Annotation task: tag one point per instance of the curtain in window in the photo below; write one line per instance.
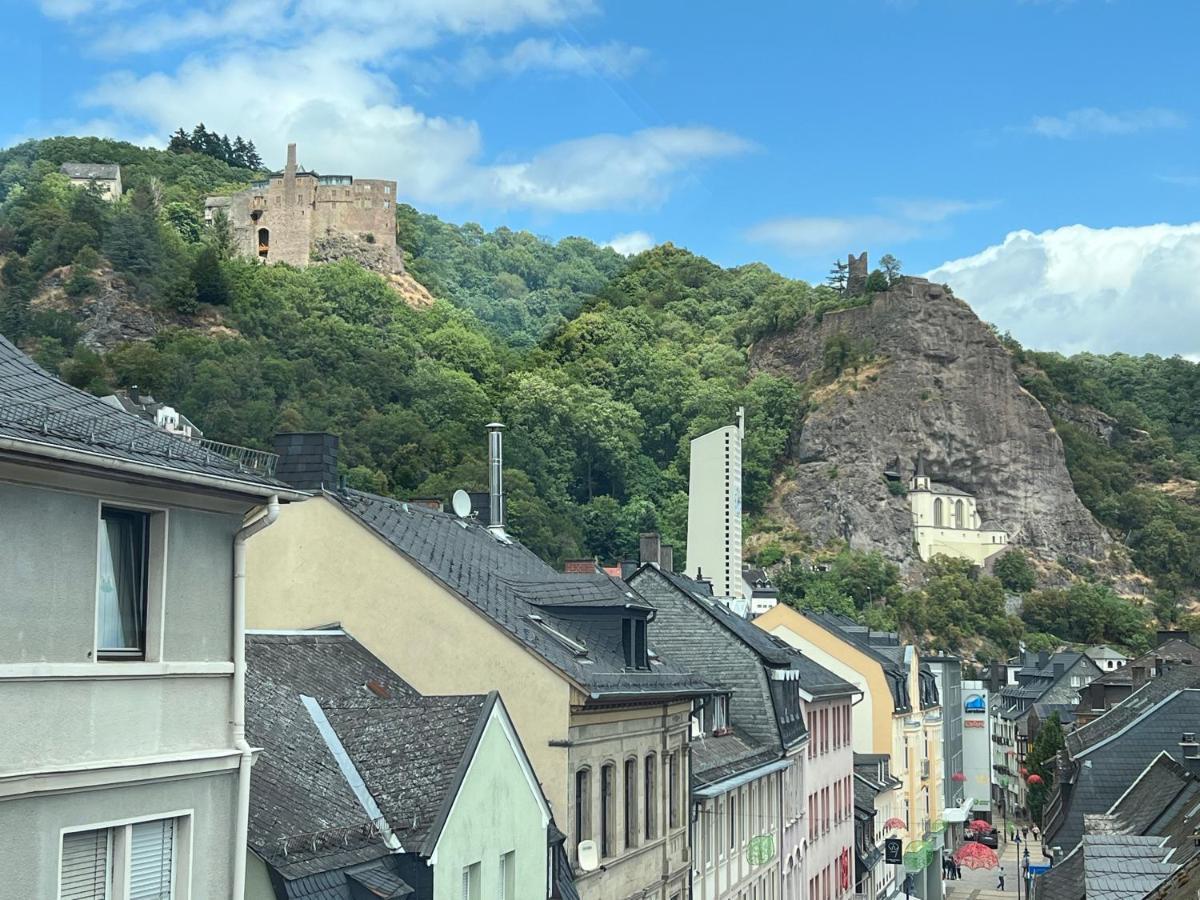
(122, 593)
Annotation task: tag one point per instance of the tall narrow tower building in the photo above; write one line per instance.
(714, 539)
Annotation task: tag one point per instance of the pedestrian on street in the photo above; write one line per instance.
(957, 869)
(1025, 832)
(1000, 882)
(1036, 833)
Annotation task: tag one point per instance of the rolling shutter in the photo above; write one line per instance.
(84, 865)
(151, 849)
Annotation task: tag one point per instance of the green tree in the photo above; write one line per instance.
(1015, 571)
(212, 284)
(1040, 761)
(890, 266)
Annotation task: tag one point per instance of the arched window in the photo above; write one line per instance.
(937, 513)
(583, 805)
(958, 514)
(650, 797)
(631, 803)
(608, 798)
(264, 242)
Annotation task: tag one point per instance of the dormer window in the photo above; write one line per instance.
(633, 642)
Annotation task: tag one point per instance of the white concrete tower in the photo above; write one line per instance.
(714, 540)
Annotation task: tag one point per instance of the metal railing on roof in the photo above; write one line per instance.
(120, 430)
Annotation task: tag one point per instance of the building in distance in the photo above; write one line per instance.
(105, 176)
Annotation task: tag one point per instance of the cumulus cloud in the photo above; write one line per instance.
(613, 59)
(344, 116)
(632, 242)
(1131, 289)
(1093, 121)
(901, 220)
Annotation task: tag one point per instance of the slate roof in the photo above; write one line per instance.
(1175, 650)
(508, 583)
(1133, 707)
(99, 171)
(715, 759)
(409, 749)
(1035, 680)
(38, 409)
(1123, 867)
(1063, 881)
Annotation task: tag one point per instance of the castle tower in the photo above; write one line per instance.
(856, 275)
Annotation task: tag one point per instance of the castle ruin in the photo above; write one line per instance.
(856, 275)
(294, 212)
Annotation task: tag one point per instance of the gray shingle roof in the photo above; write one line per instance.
(408, 748)
(509, 584)
(884, 647)
(1175, 650)
(38, 409)
(100, 171)
(1123, 867)
(1133, 707)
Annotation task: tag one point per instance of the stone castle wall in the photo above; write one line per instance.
(283, 220)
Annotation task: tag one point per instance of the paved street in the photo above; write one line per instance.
(980, 884)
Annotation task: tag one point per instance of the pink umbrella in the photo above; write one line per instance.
(959, 777)
(1035, 778)
(980, 825)
(975, 855)
(894, 822)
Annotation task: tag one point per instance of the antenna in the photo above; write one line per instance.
(461, 504)
(589, 859)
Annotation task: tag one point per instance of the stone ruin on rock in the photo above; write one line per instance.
(292, 213)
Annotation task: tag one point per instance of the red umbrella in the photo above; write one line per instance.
(959, 777)
(980, 825)
(1024, 771)
(1035, 778)
(975, 855)
(894, 822)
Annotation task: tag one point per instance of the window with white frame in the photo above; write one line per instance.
(137, 861)
(471, 888)
(508, 875)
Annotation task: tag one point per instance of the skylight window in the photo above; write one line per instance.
(576, 647)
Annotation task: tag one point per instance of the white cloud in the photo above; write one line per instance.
(901, 220)
(1131, 289)
(613, 59)
(346, 117)
(1094, 121)
(632, 242)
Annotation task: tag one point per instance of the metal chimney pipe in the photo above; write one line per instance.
(496, 475)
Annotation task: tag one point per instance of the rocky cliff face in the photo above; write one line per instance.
(938, 383)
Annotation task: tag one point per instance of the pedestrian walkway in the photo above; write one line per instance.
(981, 884)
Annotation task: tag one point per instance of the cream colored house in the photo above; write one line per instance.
(456, 607)
(105, 177)
(946, 521)
(900, 713)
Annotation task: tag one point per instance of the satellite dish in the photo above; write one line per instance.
(461, 503)
(589, 859)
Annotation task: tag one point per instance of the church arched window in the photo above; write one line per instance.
(958, 514)
(937, 513)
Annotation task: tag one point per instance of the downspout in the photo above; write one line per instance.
(238, 701)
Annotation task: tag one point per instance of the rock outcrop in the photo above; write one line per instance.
(938, 383)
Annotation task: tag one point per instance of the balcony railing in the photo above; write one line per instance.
(259, 462)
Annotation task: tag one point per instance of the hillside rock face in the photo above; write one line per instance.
(940, 385)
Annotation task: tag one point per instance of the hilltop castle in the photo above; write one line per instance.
(294, 212)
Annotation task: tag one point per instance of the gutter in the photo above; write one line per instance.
(238, 700)
(148, 470)
(720, 787)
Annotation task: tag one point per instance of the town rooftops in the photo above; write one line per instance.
(91, 171)
(357, 765)
(574, 622)
(1122, 867)
(1035, 678)
(43, 417)
(1174, 651)
(1124, 714)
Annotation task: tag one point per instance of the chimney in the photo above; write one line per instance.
(1059, 668)
(308, 460)
(1043, 658)
(496, 476)
(291, 160)
(1160, 666)
(580, 567)
(650, 548)
(1138, 675)
(666, 558)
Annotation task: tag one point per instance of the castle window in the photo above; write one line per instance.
(264, 242)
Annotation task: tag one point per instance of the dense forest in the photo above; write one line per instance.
(603, 367)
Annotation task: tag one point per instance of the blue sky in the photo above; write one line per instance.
(1039, 155)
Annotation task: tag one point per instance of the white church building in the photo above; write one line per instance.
(946, 521)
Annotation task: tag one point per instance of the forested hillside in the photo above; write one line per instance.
(602, 367)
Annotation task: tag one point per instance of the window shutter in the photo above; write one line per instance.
(150, 854)
(466, 887)
(84, 866)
